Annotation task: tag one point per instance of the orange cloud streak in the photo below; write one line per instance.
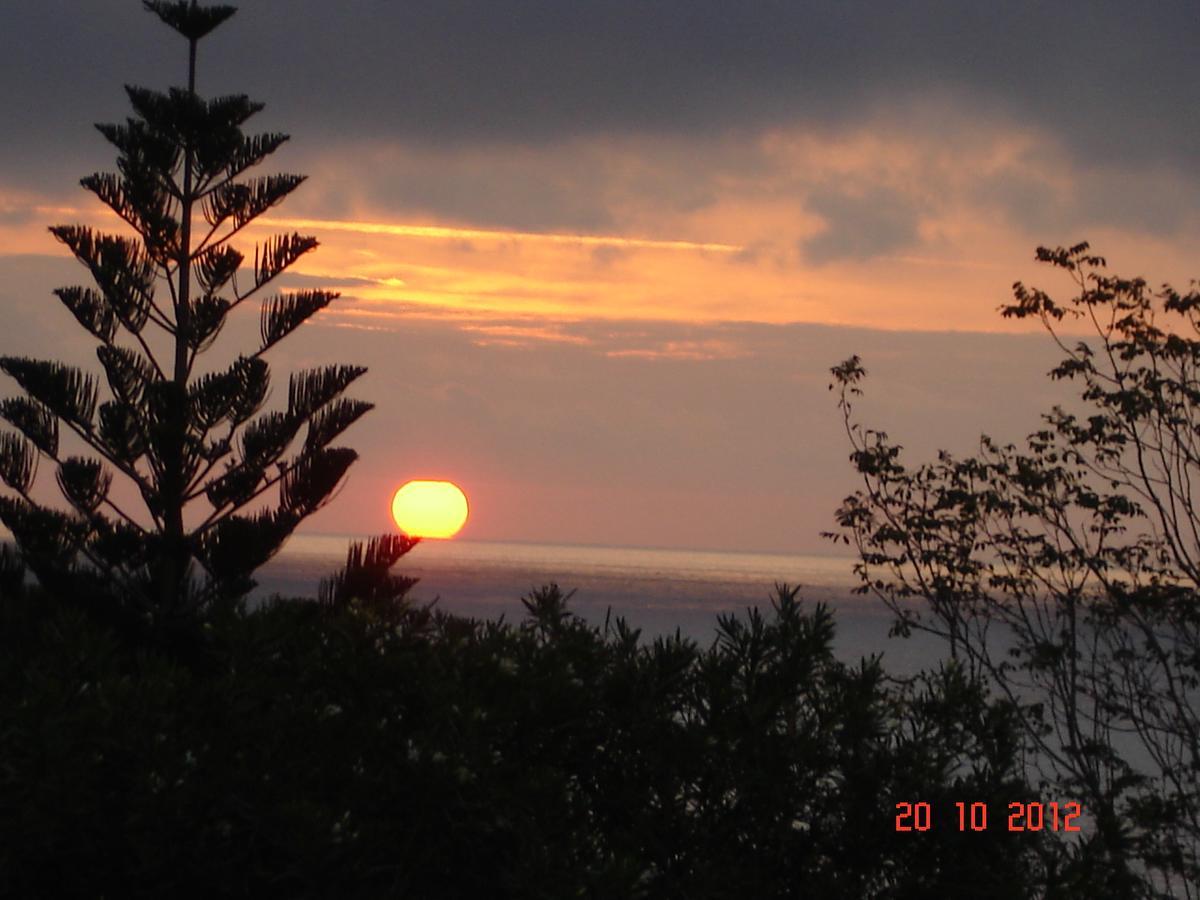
(451, 233)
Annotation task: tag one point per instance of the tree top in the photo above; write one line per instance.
(189, 18)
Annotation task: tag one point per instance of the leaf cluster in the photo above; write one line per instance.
(1065, 570)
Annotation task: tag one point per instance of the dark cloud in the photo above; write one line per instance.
(1148, 201)
(860, 225)
(509, 189)
(606, 255)
(297, 281)
(1112, 79)
(16, 216)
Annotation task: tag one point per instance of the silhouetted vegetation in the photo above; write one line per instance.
(158, 739)
(310, 751)
(197, 447)
(1065, 572)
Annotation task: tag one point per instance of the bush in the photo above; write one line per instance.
(311, 750)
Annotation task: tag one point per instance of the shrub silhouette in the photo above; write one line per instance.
(198, 447)
(318, 752)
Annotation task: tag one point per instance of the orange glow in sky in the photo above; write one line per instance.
(430, 509)
(445, 232)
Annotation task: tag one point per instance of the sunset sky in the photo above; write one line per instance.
(600, 256)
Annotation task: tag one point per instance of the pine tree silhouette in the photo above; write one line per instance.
(199, 448)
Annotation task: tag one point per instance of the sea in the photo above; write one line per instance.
(658, 591)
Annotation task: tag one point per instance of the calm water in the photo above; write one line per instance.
(657, 591)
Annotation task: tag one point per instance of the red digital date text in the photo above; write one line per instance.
(1033, 816)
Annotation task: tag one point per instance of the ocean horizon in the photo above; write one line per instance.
(659, 591)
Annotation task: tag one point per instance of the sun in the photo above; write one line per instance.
(430, 509)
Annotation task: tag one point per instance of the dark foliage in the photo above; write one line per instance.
(1066, 571)
(314, 750)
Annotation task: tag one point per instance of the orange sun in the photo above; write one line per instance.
(430, 509)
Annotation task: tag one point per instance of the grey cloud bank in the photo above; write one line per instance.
(1111, 79)
(506, 112)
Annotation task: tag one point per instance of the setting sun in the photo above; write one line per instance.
(430, 509)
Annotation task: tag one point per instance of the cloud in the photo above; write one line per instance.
(16, 215)
(299, 281)
(520, 335)
(525, 72)
(845, 163)
(441, 232)
(861, 226)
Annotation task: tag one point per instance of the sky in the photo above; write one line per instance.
(600, 256)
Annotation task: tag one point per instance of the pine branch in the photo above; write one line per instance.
(36, 422)
(121, 545)
(161, 409)
(18, 462)
(309, 483)
(380, 553)
(158, 315)
(211, 397)
(62, 392)
(237, 545)
(311, 389)
(122, 432)
(235, 487)
(175, 115)
(284, 313)
(49, 539)
(234, 395)
(129, 373)
(144, 203)
(84, 482)
(285, 470)
(330, 421)
(188, 18)
(226, 114)
(365, 577)
(211, 128)
(211, 453)
(220, 137)
(264, 441)
(152, 155)
(208, 318)
(122, 270)
(249, 153)
(151, 499)
(214, 267)
(90, 310)
(266, 438)
(66, 391)
(127, 519)
(246, 201)
(169, 275)
(275, 255)
(149, 356)
(128, 469)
